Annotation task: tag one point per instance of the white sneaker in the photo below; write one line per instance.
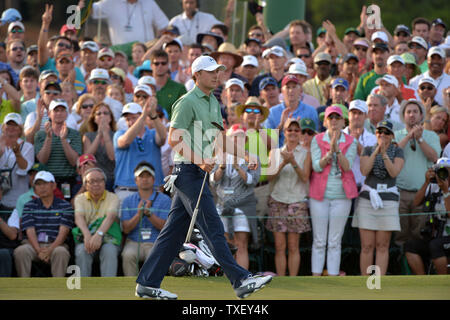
(252, 284)
(154, 293)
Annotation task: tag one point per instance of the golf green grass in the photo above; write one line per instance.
(212, 288)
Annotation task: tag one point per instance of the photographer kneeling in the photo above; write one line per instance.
(435, 243)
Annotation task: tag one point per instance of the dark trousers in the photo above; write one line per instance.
(6, 262)
(172, 236)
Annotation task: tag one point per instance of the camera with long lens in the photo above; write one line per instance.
(441, 169)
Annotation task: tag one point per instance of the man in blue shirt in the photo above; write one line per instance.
(137, 144)
(292, 107)
(143, 216)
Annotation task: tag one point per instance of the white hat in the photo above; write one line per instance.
(389, 79)
(99, 73)
(44, 175)
(234, 82)
(178, 41)
(250, 61)
(91, 45)
(142, 169)
(295, 60)
(395, 58)
(147, 80)
(132, 108)
(298, 68)
(428, 80)
(276, 50)
(360, 105)
(380, 35)
(13, 117)
(420, 41)
(105, 52)
(58, 103)
(143, 87)
(436, 50)
(206, 63)
(16, 24)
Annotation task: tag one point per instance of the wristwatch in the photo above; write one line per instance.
(100, 233)
(420, 140)
(445, 195)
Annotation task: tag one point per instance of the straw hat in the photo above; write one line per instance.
(228, 48)
(252, 102)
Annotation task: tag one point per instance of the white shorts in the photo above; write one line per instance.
(240, 222)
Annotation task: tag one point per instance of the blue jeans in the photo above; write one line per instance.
(172, 236)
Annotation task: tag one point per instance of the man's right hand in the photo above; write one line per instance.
(207, 165)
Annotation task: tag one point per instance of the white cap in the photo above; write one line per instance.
(58, 103)
(428, 80)
(143, 87)
(420, 41)
(360, 105)
(206, 63)
(91, 45)
(17, 118)
(389, 79)
(380, 35)
(298, 68)
(395, 58)
(16, 24)
(250, 61)
(142, 169)
(436, 50)
(276, 50)
(147, 80)
(295, 60)
(178, 41)
(99, 73)
(44, 175)
(234, 82)
(132, 108)
(105, 52)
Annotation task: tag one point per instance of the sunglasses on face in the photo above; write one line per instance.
(358, 48)
(141, 96)
(53, 92)
(334, 116)
(415, 46)
(104, 82)
(85, 106)
(426, 88)
(308, 132)
(105, 59)
(17, 31)
(63, 45)
(385, 132)
(250, 110)
(18, 48)
(105, 113)
(157, 63)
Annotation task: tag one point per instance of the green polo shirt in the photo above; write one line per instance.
(424, 66)
(194, 113)
(168, 94)
(365, 85)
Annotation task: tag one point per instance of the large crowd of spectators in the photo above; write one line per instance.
(344, 128)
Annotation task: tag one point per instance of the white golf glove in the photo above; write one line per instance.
(170, 182)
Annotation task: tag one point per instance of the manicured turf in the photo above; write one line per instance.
(194, 288)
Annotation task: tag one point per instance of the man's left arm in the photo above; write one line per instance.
(430, 146)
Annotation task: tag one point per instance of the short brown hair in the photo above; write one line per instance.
(302, 23)
(29, 72)
(420, 20)
(159, 54)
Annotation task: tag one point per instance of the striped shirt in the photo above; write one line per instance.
(57, 163)
(46, 221)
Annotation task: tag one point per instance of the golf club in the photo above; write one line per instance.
(194, 214)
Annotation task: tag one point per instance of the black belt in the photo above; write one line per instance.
(262, 183)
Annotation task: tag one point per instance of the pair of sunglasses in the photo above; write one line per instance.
(250, 110)
(385, 132)
(85, 106)
(308, 132)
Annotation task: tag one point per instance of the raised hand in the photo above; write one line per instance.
(48, 15)
(64, 131)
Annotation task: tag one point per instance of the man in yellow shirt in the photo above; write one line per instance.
(318, 86)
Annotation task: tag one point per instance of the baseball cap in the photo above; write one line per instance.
(250, 60)
(171, 29)
(132, 108)
(276, 50)
(361, 42)
(379, 35)
(144, 168)
(322, 56)
(64, 54)
(387, 125)
(436, 50)
(340, 82)
(389, 79)
(175, 41)
(32, 48)
(290, 121)
(143, 87)
(352, 29)
(333, 109)
(267, 81)
(358, 104)
(99, 73)
(248, 40)
(44, 175)
(427, 80)
(90, 45)
(58, 103)
(420, 41)
(85, 158)
(15, 117)
(121, 53)
(14, 24)
(349, 56)
(320, 31)
(439, 21)
(105, 52)
(298, 68)
(206, 63)
(295, 60)
(147, 80)
(54, 84)
(380, 45)
(234, 82)
(306, 123)
(289, 78)
(65, 28)
(38, 167)
(47, 73)
(119, 72)
(401, 28)
(395, 58)
(236, 129)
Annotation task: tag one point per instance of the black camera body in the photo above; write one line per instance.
(441, 172)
